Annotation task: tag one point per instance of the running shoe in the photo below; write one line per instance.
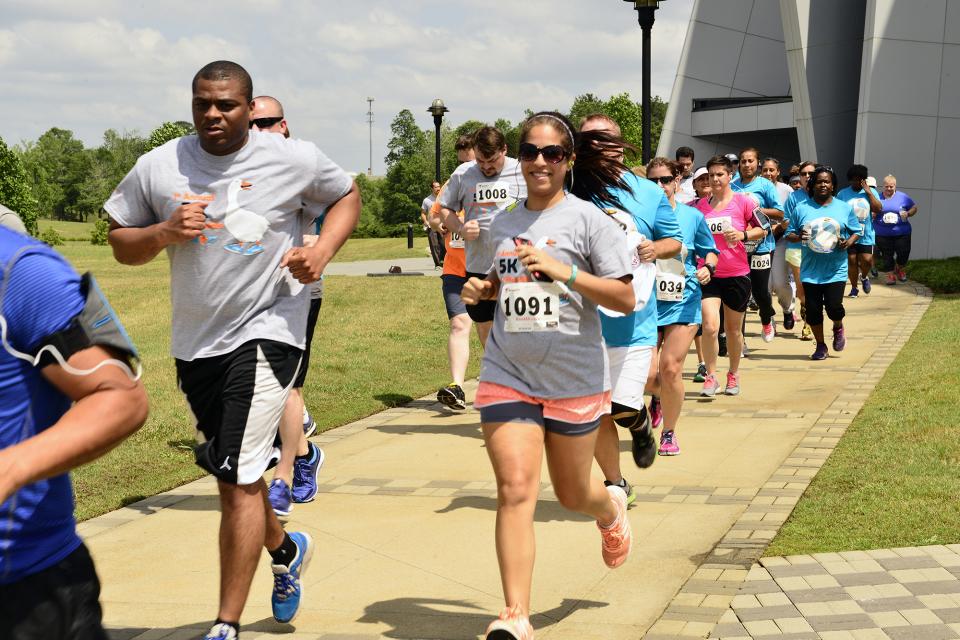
(710, 386)
(873, 272)
(821, 352)
(644, 446)
(287, 586)
(701, 373)
(722, 345)
(624, 486)
(806, 333)
(305, 472)
(733, 384)
(511, 625)
(891, 279)
(789, 320)
(752, 305)
(309, 426)
(866, 285)
(656, 412)
(769, 331)
(280, 497)
(745, 351)
(221, 631)
(901, 275)
(617, 538)
(668, 444)
(854, 292)
(839, 339)
(452, 396)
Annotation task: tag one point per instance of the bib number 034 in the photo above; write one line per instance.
(669, 287)
(530, 306)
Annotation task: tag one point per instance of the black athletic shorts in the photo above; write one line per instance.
(237, 400)
(733, 292)
(485, 309)
(312, 316)
(61, 602)
(860, 248)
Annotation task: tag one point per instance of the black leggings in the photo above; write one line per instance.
(820, 296)
(891, 246)
(760, 284)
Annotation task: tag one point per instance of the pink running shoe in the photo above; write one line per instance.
(710, 386)
(617, 538)
(769, 332)
(656, 412)
(511, 625)
(668, 444)
(733, 384)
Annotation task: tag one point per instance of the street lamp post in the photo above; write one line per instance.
(437, 108)
(645, 16)
(370, 123)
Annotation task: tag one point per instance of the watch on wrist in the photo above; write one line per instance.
(744, 235)
(711, 268)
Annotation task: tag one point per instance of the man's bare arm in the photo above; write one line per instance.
(140, 245)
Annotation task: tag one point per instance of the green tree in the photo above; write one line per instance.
(409, 170)
(15, 191)
(109, 163)
(167, 132)
(56, 165)
(628, 114)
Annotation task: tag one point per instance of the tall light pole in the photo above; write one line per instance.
(645, 10)
(437, 109)
(370, 123)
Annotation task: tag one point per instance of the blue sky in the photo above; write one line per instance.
(89, 65)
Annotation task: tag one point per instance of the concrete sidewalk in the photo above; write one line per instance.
(363, 267)
(404, 521)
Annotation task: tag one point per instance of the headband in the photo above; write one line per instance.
(573, 139)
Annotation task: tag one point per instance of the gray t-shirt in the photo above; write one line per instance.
(227, 287)
(481, 198)
(427, 204)
(567, 358)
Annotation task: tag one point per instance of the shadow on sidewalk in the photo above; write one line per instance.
(429, 618)
(466, 431)
(547, 510)
(198, 629)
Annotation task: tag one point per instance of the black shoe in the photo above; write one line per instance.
(789, 321)
(644, 445)
(722, 343)
(452, 396)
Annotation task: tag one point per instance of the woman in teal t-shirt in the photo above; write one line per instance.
(826, 226)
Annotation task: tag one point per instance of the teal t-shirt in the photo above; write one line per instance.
(794, 200)
(824, 268)
(765, 194)
(698, 243)
(861, 208)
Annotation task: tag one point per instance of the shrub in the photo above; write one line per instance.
(51, 237)
(942, 276)
(98, 235)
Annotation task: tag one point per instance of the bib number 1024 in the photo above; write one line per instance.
(531, 306)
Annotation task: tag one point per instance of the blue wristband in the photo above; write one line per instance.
(573, 275)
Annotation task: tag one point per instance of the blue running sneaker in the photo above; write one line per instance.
(854, 292)
(309, 426)
(287, 586)
(305, 472)
(865, 283)
(280, 497)
(221, 631)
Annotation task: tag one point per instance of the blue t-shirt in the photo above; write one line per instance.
(698, 241)
(794, 200)
(823, 268)
(861, 208)
(894, 204)
(654, 217)
(765, 194)
(37, 529)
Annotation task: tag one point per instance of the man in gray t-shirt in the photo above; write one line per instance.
(230, 206)
(482, 190)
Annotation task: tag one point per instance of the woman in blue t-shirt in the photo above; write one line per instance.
(826, 226)
(892, 226)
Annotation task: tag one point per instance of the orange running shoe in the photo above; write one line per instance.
(511, 625)
(617, 538)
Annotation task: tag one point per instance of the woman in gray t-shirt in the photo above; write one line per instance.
(544, 382)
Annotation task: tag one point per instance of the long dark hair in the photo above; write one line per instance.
(597, 171)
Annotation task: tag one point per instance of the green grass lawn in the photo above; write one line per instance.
(71, 231)
(379, 342)
(894, 478)
(382, 249)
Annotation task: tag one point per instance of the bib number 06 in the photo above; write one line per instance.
(530, 306)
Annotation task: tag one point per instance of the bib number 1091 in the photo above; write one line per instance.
(531, 306)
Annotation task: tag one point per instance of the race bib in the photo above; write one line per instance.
(495, 192)
(760, 261)
(861, 208)
(891, 218)
(456, 241)
(530, 306)
(717, 225)
(670, 287)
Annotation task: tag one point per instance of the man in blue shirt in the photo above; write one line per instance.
(865, 200)
(54, 416)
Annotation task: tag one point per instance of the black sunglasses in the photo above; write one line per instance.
(662, 179)
(265, 123)
(553, 153)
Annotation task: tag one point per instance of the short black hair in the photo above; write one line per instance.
(857, 171)
(225, 70)
(822, 168)
(684, 152)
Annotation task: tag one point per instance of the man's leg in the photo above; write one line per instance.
(243, 532)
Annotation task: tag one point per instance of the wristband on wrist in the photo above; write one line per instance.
(573, 275)
(744, 235)
(711, 268)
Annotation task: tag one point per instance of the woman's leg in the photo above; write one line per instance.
(458, 346)
(676, 344)
(815, 293)
(516, 450)
(710, 308)
(733, 320)
(569, 460)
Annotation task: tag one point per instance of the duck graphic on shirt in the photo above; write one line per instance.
(246, 227)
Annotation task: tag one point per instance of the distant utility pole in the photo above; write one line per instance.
(370, 123)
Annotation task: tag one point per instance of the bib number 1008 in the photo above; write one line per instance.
(491, 194)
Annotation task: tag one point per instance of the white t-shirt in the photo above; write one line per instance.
(686, 194)
(227, 288)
